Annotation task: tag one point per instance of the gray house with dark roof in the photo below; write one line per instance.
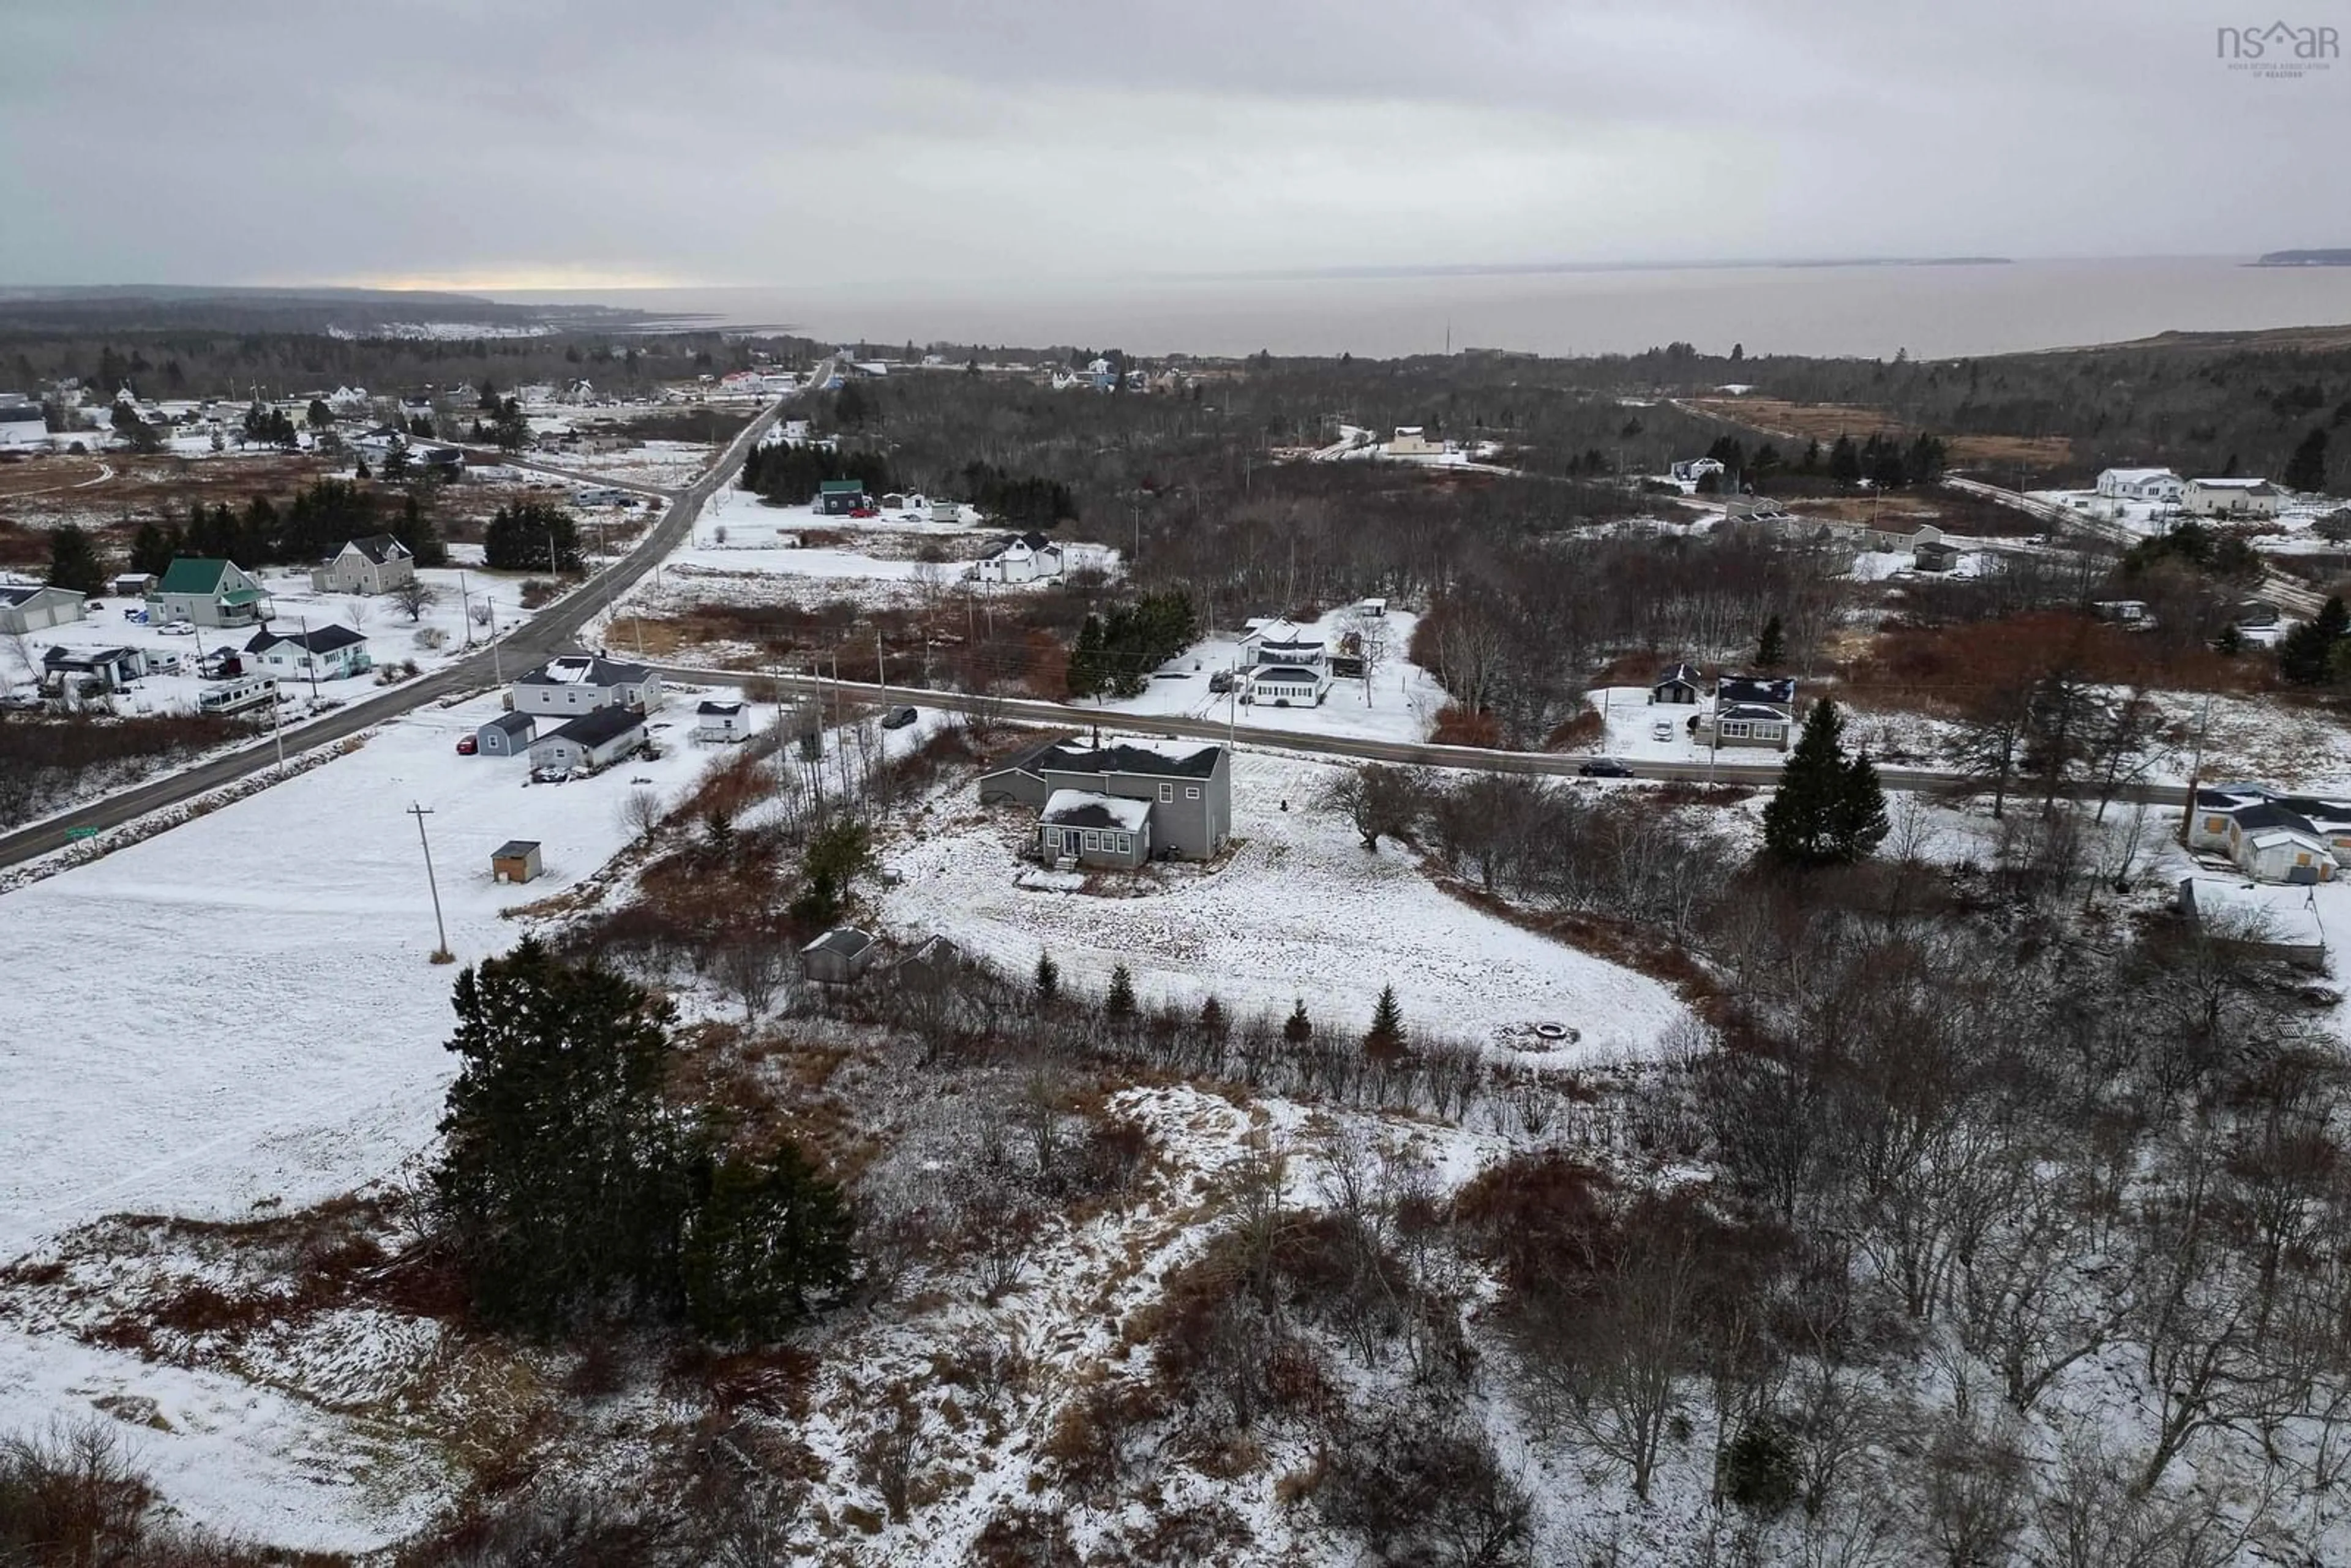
(1186, 785)
(376, 564)
(1750, 710)
(580, 683)
(595, 739)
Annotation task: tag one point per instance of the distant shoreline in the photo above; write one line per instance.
(2334, 257)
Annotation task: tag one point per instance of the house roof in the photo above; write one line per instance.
(586, 670)
(709, 706)
(1685, 673)
(839, 487)
(1780, 690)
(83, 658)
(515, 850)
(846, 940)
(23, 593)
(193, 574)
(512, 722)
(378, 548)
(2263, 815)
(324, 640)
(1280, 672)
(2138, 475)
(1032, 542)
(2250, 487)
(598, 725)
(1758, 712)
(1161, 759)
(1085, 808)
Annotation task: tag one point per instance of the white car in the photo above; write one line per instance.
(178, 628)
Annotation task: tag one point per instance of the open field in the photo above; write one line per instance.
(1824, 422)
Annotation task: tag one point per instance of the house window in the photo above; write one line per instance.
(1093, 840)
(1116, 843)
(2302, 859)
(1052, 838)
(2216, 824)
(1167, 793)
(1734, 729)
(1191, 791)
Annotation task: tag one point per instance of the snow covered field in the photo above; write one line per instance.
(242, 1010)
(1300, 909)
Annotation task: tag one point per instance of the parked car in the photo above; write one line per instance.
(864, 512)
(178, 628)
(551, 776)
(467, 746)
(1604, 768)
(135, 615)
(898, 718)
(1662, 730)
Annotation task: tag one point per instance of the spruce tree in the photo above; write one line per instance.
(764, 1234)
(1120, 1001)
(1387, 1033)
(1771, 648)
(1049, 979)
(151, 549)
(73, 560)
(2307, 469)
(2305, 653)
(1212, 1018)
(1826, 809)
(1299, 1028)
(1086, 660)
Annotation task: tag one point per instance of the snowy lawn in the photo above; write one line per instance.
(1300, 909)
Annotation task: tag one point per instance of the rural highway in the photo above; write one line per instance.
(552, 631)
(1733, 767)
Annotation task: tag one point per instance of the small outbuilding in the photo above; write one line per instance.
(508, 735)
(839, 957)
(839, 497)
(595, 739)
(722, 721)
(1679, 684)
(517, 860)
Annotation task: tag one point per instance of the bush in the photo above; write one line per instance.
(1759, 1469)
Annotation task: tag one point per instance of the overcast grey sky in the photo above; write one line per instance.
(515, 144)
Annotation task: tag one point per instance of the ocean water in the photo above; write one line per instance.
(1874, 311)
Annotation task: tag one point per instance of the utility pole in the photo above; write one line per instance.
(441, 955)
(2195, 772)
(881, 671)
(309, 659)
(465, 608)
(278, 725)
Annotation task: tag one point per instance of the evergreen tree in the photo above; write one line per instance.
(1212, 1018)
(1085, 677)
(2304, 653)
(1844, 461)
(1299, 1029)
(1120, 1001)
(1827, 810)
(319, 416)
(151, 548)
(1771, 648)
(1049, 979)
(422, 537)
(73, 560)
(524, 538)
(1385, 1035)
(560, 1187)
(763, 1235)
(2307, 469)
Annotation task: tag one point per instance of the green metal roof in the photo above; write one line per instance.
(192, 574)
(841, 487)
(242, 596)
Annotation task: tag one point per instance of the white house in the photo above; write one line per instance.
(1283, 643)
(724, 721)
(2273, 836)
(1412, 441)
(23, 427)
(593, 740)
(1689, 471)
(2231, 499)
(1018, 557)
(376, 564)
(2160, 486)
(1287, 685)
(582, 683)
(325, 653)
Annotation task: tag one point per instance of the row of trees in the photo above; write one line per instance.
(532, 536)
(789, 473)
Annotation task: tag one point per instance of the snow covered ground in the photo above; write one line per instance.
(1300, 910)
(1402, 703)
(242, 1010)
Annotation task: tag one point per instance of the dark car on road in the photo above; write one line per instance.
(900, 717)
(1604, 768)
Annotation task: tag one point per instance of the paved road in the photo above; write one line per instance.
(552, 630)
(1732, 767)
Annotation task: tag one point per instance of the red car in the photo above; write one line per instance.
(865, 512)
(467, 746)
